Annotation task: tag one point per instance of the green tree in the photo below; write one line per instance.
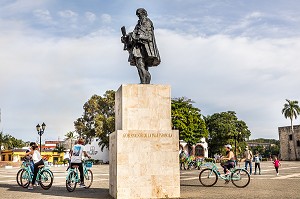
(291, 110)
(225, 128)
(98, 119)
(70, 136)
(188, 120)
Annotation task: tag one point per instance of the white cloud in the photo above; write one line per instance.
(68, 14)
(244, 63)
(91, 17)
(43, 15)
(105, 18)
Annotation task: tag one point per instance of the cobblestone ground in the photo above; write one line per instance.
(267, 185)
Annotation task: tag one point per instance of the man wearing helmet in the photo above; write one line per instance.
(141, 45)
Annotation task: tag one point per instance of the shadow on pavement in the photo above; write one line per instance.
(59, 191)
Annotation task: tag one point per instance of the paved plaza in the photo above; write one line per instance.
(267, 185)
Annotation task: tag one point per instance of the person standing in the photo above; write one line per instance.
(76, 158)
(182, 158)
(257, 159)
(248, 158)
(276, 165)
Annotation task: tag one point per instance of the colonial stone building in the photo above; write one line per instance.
(198, 150)
(289, 143)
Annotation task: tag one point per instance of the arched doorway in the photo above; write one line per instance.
(199, 151)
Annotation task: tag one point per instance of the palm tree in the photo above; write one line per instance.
(70, 136)
(291, 110)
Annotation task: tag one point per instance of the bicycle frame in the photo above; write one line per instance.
(38, 176)
(223, 177)
(85, 170)
(210, 175)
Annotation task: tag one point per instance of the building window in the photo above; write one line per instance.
(199, 151)
(3, 157)
(9, 157)
(298, 143)
(290, 137)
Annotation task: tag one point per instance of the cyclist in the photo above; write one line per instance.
(230, 159)
(28, 157)
(37, 159)
(76, 158)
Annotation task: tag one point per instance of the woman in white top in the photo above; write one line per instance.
(37, 159)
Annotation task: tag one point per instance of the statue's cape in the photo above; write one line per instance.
(147, 49)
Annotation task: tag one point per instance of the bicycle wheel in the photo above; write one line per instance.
(25, 178)
(208, 177)
(46, 179)
(71, 181)
(18, 177)
(88, 179)
(240, 178)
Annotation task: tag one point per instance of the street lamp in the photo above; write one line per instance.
(41, 132)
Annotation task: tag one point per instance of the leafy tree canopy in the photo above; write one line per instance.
(98, 119)
(188, 120)
(225, 128)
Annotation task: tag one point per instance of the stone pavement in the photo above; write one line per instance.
(267, 185)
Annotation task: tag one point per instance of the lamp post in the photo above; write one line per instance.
(41, 132)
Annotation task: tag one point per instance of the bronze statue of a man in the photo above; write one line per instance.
(141, 45)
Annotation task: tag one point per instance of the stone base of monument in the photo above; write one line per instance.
(144, 159)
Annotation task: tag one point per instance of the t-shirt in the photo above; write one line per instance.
(77, 153)
(276, 163)
(257, 159)
(36, 156)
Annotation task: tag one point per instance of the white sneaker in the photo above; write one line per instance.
(30, 187)
(82, 185)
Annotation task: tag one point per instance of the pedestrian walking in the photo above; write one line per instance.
(248, 158)
(257, 159)
(276, 165)
(183, 159)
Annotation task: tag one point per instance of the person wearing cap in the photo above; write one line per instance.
(248, 158)
(230, 159)
(76, 158)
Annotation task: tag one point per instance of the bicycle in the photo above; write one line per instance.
(73, 177)
(44, 176)
(238, 176)
(196, 163)
(22, 168)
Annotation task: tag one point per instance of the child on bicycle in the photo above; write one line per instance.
(76, 158)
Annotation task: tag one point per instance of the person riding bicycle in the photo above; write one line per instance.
(37, 159)
(76, 158)
(230, 159)
(28, 157)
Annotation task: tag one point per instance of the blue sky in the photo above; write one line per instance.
(241, 56)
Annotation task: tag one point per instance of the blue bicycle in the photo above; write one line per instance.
(44, 176)
(238, 176)
(73, 176)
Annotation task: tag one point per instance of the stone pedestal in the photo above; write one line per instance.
(143, 161)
